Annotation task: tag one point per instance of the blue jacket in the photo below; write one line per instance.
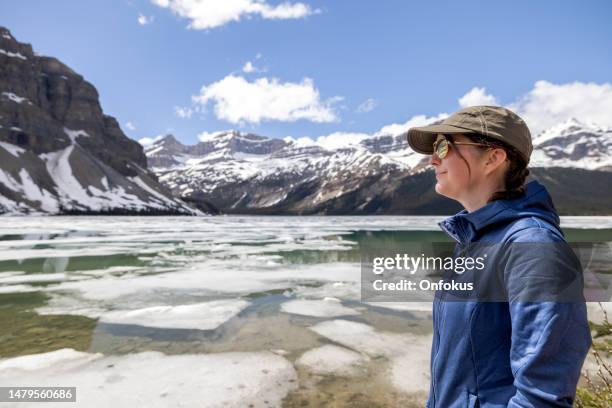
(508, 354)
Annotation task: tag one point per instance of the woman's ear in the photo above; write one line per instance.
(496, 157)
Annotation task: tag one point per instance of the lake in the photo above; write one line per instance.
(215, 311)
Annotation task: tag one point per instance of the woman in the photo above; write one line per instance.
(523, 351)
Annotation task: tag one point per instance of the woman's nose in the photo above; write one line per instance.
(435, 160)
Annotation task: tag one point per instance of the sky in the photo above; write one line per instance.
(311, 68)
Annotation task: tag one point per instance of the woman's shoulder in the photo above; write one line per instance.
(533, 229)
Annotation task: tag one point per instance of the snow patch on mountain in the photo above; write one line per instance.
(73, 134)
(12, 54)
(16, 98)
(573, 144)
(12, 149)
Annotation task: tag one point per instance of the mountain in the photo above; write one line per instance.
(573, 144)
(378, 174)
(59, 152)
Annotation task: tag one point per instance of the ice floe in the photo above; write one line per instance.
(33, 277)
(18, 289)
(101, 293)
(408, 354)
(201, 316)
(328, 307)
(33, 362)
(341, 290)
(211, 277)
(152, 379)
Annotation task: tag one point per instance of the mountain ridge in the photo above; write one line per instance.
(59, 152)
(304, 177)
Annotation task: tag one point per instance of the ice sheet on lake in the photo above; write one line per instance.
(330, 359)
(213, 277)
(408, 354)
(64, 358)
(200, 316)
(157, 380)
(225, 236)
(33, 278)
(18, 289)
(328, 307)
(211, 280)
(341, 290)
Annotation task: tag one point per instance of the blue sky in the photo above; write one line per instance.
(340, 66)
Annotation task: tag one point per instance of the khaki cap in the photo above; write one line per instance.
(490, 121)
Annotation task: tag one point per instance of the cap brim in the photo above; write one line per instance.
(421, 139)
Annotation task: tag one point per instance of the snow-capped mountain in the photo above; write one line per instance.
(250, 173)
(574, 144)
(237, 171)
(59, 153)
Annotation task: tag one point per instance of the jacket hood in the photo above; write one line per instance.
(465, 227)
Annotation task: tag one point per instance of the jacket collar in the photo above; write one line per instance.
(464, 226)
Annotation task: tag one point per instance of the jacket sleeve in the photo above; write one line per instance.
(550, 335)
(549, 343)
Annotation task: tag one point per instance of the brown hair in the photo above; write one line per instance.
(516, 175)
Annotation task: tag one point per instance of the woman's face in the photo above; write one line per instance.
(454, 180)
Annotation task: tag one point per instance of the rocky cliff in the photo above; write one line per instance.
(59, 152)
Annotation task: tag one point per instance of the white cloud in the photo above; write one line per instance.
(415, 121)
(249, 67)
(333, 141)
(147, 141)
(208, 136)
(237, 100)
(367, 106)
(340, 139)
(549, 104)
(477, 96)
(130, 126)
(206, 14)
(144, 20)
(300, 142)
(183, 112)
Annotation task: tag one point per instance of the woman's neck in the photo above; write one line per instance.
(476, 204)
(479, 195)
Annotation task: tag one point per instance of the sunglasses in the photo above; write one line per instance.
(440, 146)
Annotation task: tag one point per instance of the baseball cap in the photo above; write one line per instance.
(495, 122)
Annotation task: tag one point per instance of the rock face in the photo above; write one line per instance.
(380, 174)
(59, 152)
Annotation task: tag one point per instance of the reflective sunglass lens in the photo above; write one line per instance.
(441, 148)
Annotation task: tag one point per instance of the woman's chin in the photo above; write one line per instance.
(442, 189)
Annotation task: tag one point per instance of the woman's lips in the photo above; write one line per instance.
(442, 172)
